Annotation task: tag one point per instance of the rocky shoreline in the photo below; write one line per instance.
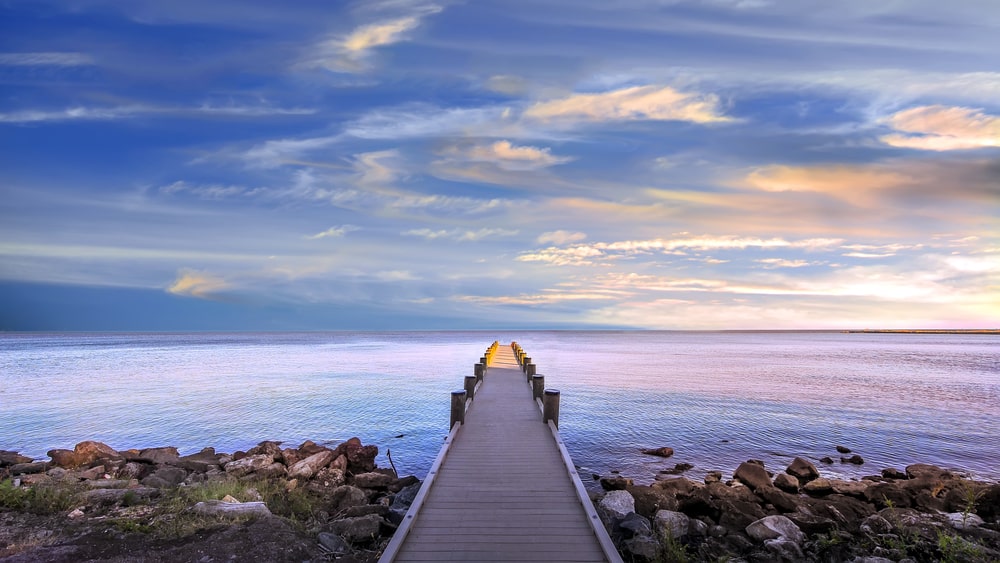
(320, 503)
(93, 503)
(922, 513)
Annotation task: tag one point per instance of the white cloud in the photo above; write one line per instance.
(559, 238)
(210, 191)
(942, 128)
(784, 263)
(508, 156)
(192, 283)
(352, 52)
(46, 59)
(661, 103)
(274, 153)
(334, 232)
(459, 234)
(123, 112)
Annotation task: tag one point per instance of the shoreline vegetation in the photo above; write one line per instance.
(323, 503)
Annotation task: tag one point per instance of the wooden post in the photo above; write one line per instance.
(470, 386)
(550, 406)
(479, 370)
(524, 366)
(529, 370)
(537, 385)
(484, 360)
(457, 407)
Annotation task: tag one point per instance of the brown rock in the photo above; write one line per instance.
(200, 462)
(893, 473)
(850, 488)
(843, 450)
(713, 477)
(63, 458)
(649, 500)
(346, 496)
(372, 480)
(309, 448)
(781, 500)
(267, 447)
(159, 455)
(291, 456)
(616, 483)
(925, 471)
(362, 529)
(90, 451)
(678, 486)
(659, 452)
(95, 472)
(752, 475)
(339, 463)
(884, 494)
(360, 459)
(11, 458)
(818, 486)
(786, 483)
(855, 459)
(249, 464)
(827, 460)
(802, 469)
(29, 468)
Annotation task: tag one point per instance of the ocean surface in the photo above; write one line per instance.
(717, 398)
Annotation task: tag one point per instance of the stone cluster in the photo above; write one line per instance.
(799, 515)
(361, 503)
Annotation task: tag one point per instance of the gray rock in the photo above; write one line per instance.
(875, 525)
(671, 524)
(785, 549)
(159, 455)
(964, 521)
(635, 525)
(372, 480)
(29, 468)
(786, 483)
(165, 477)
(871, 559)
(311, 465)
(697, 528)
(333, 544)
(248, 465)
(404, 498)
(642, 548)
(346, 496)
(617, 505)
(713, 477)
(775, 527)
(232, 509)
(752, 475)
(360, 529)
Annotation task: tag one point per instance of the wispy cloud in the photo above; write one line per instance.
(508, 156)
(210, 191)
(559, 238)
(351, 52)
(941, 128)
(46, 59)
(193, 283)
(460, 234)
(660, 103)
(124, 112)
(334, 232)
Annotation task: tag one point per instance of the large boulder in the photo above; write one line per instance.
(345, 497)
(201, 462)
(248, 465)
(802, 469)
(926, 471)
(670, 524)
(159, 455)
(818, 487)
(309, 466)
(90, 451)
(360, 459)
(372, 480)
(775, 527)
(165, 476)
(616, 505)
(635, 525)
(8, 458)
(752, 475)
(360, 529)
(786, 483)
(267, 447)
(648, 500)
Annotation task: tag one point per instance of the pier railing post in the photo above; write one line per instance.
(529, 371)
(550, 406)
(537, 386)
(526, 361)
(470, 386)
(457, 407)
(479, 370)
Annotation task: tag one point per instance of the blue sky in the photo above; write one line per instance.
(672, 164)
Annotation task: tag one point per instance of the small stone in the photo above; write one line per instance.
(774, 527)
(893, 473)
(360, 529)
(75, 513)
(786, 483)
(616, 483)
(752, 475)
(820, 486)
(333, 544)
(843, 450)
(713, 477)
(855, 459)
(659, 452)
(802, 470)
(827, 460)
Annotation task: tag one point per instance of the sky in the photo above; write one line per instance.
(574, 164)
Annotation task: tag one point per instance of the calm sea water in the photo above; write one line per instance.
(717, 398)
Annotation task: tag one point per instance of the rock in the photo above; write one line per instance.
(327, 479)
(404, 498)
(820, 486)
(276, 469)
(713, 477)
(365, 510)
(737, 515)
(340, 463)
(812, 523)
(781, 500)
(29, 468)
(964, 521)
(850, 488)
(756, 462)
(669, 524)
(75, 513)
(752, 475)
(786, 483)
(346, 496)
(230, 498)
(360, 529)
(648, 500)
(893, 473)
(309, 466)
(95, 472)
(231, 509)
(309, 448)
(697, 528)
(89, 451)
(659, 452)
(681, 486)
(855, 459)
(774, 527)
(360, 459)
(372, 480)
(200, 462)
(827, 460)
(267, 447)
(802, 469)
(63, 458)
(333, 544)
(680, 468)
(402, 483)
(248, 465)
(872, 559)
(616, 483)
(135, 470)
(118, 496)
(12, 458)
(925, 471)
(875, 525)
(616, 505)
(786, 550)
(843, 450)
(291, 456)
(165, 477)
(635, 525)
(884, 494)
(159, 455)
(642, 548)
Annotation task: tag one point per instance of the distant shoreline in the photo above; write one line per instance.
(925, 331)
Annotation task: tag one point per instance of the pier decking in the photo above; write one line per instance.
(503, 487)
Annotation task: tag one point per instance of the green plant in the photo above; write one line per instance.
(955, 549)
(673, 550)
(39, 499)
(971, 497)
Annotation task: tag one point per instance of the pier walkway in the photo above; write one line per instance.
(503, 487)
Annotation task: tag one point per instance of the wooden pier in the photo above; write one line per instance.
(503, 487)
